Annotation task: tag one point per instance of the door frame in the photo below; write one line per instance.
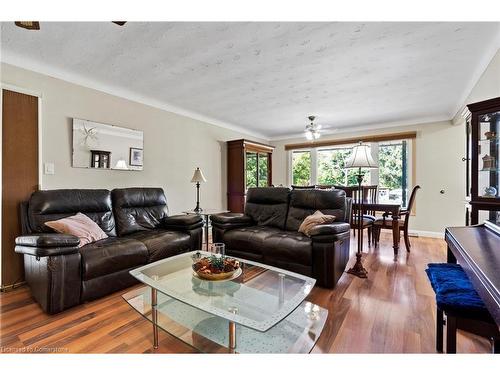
(21, 90)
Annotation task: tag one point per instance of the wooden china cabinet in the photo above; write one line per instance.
(484, 161)
(249, 164)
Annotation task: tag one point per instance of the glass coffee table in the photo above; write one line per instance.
(260, 311)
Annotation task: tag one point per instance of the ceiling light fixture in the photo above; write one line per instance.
(312, 130)
(29, 25)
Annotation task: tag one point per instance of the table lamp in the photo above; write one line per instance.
(197, 178)
(121, 164)
(360, 158)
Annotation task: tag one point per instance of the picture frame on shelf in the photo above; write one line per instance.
(136, 157)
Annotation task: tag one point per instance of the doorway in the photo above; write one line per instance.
(20, 173)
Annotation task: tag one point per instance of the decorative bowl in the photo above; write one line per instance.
(215, 268)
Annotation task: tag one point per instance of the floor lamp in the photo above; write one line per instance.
(360, 158)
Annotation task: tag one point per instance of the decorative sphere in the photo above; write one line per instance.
(490, 191)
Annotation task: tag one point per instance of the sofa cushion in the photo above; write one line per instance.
(162, 243)
(288, 247)
(138, 209)
(248, 239)
(455, 292)
(267, 206)
(78, 225)
(305, 202)
(50, 205)
(315, 219)
(110, 255)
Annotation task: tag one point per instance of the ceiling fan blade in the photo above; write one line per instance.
(29, 25)
(119, 23)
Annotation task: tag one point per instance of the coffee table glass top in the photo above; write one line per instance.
(259, 298)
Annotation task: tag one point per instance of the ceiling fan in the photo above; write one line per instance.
(312, 131)
(35, 25)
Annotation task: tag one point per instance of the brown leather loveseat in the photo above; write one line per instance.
(62, 275)
(267, 231)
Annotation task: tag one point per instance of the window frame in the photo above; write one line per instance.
(290, 164)
(374, 175)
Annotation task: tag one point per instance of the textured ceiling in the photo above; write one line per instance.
(268, 77)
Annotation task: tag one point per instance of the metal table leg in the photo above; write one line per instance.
(232, 335)
(232, 330)
(207, 218)
(154, 312)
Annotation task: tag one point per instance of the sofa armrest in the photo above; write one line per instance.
(47, 244)
(330, 232)
(182, 222)
(348, 210)
(48, 240)
(231, 220)
(40, 252)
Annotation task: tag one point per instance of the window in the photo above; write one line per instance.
(301, 168)
(325, 166)
(331, 169)
(393, 172)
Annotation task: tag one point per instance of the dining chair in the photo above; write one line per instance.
(348, 190)
(383, 223)
(300, 187)
(324, 187)
(370, 195)
(368, 219)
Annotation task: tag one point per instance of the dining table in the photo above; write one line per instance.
(392, 209)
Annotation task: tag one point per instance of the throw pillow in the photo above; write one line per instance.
(79, 225)
(313, 220)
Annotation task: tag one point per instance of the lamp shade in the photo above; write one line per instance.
(361, 157)
(198, 176)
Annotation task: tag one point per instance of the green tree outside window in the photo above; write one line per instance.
(301, 168)
(331, 168)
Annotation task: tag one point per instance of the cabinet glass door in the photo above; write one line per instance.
(256, 169)
(263, 170)
(488, 149)
(251, 169)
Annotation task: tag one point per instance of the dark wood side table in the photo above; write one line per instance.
(477, 250)
(206, 213)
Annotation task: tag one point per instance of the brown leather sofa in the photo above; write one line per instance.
(267, 231)
(61, 275)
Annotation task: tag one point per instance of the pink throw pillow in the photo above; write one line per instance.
(79, 225)
(313, 220)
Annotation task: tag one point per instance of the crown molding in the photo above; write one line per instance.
(367, 127)
(21, 62)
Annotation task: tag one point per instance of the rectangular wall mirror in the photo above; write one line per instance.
(102, 146)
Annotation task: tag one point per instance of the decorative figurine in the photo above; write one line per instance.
(488, 162)
(490, 135)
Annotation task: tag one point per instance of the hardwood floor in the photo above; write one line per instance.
(393, 311)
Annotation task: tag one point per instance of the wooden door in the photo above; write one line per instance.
(19, 173)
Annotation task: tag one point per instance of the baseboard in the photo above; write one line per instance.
(6, 288)
(424, 233)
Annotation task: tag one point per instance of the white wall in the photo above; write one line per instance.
(173, 145)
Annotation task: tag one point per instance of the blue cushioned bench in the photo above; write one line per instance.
(464, 309)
